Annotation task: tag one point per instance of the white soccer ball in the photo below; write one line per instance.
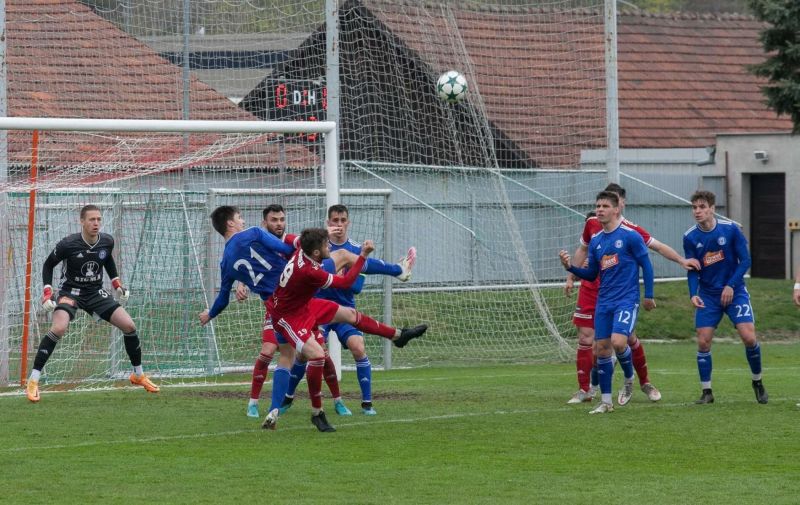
(451, 87)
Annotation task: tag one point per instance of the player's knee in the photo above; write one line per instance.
(350, 315)
(356, 347)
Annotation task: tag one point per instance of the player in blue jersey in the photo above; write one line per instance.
(349, 336)
(718, 288)
(615, 254)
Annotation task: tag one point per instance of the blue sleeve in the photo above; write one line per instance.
(273, 243)
(358, 285)
(642, 255)
(223, 297)
(329, 266)
(693, 276)
(589, 273)
(743, 255)
(647, 275)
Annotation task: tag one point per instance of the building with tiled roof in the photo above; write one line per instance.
(682, 79)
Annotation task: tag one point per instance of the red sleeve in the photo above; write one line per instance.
(347, 280)
(589, 229)
(645, 235)
(292, 240)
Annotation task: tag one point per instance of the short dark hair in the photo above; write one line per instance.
(702, 194)
(87, 208)
(221, 216)
(616, 188)
(312, 239)
(590, 214)
(339, 209)
(273, 207)
(610, 196)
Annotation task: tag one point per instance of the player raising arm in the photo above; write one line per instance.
(296, 314)
(718, 288)
(615, 255)
(84, 256)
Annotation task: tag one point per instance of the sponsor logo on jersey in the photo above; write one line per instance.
(712, 257)
(608, 261)
(721, 241)
(618, 244)
(90, 269)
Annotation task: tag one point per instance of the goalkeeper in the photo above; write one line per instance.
(84, 256)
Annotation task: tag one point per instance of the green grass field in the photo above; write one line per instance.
(488, 434)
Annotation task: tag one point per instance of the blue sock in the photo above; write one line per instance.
(364, 374)
(297, 374)
(280, 383)
(704, 366)
(378, 267)
(594, 378)
(605, 372)
(626, 362)
(754, 358)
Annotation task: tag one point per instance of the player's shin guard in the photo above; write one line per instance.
(605, 372)
(329, 373)
(704, 367)
(583, 362)
(640, 362)
(295, 376)
(626, 362)
(314, 373)
(364, 374)
(260, 372)
(373, 327)
(133, 347)
(378, 267)
(280, 384)
(754, 360)
(45, 350)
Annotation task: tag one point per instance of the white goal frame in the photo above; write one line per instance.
(330, 153)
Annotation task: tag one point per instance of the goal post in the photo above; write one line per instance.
(150, 177)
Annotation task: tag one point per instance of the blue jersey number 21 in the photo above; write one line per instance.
(254, 255)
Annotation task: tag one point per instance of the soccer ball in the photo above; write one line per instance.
(451, 87)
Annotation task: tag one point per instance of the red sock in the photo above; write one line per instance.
(373, 327)
(330, 377)
(640, 362)
(584, 362)
(314, 380)
(260, 372)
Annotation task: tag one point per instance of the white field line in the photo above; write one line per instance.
(340, 426)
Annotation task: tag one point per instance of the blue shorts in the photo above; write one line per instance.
(343, 331)
(620, 318)
(739, 310)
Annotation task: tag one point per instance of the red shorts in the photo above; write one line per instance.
(584, 311)
(267, 333)
(298, 327)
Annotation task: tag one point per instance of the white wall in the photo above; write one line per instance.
(735, 157)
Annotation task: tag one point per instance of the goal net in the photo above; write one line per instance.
(488, 189)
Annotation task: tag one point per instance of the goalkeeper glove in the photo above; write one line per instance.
(47, 299)
(122, 293)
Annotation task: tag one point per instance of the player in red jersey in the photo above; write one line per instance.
(587, 299)
(296, 314)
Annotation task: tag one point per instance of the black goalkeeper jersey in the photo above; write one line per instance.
(83, 263)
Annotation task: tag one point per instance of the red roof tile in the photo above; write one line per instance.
(66, 61)
(681, 77)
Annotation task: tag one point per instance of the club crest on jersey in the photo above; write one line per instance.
(721, 241)
(618, 244)
(102, 254)
(712, 257)
(608, 261)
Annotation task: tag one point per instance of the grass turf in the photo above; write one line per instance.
(488, 434)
